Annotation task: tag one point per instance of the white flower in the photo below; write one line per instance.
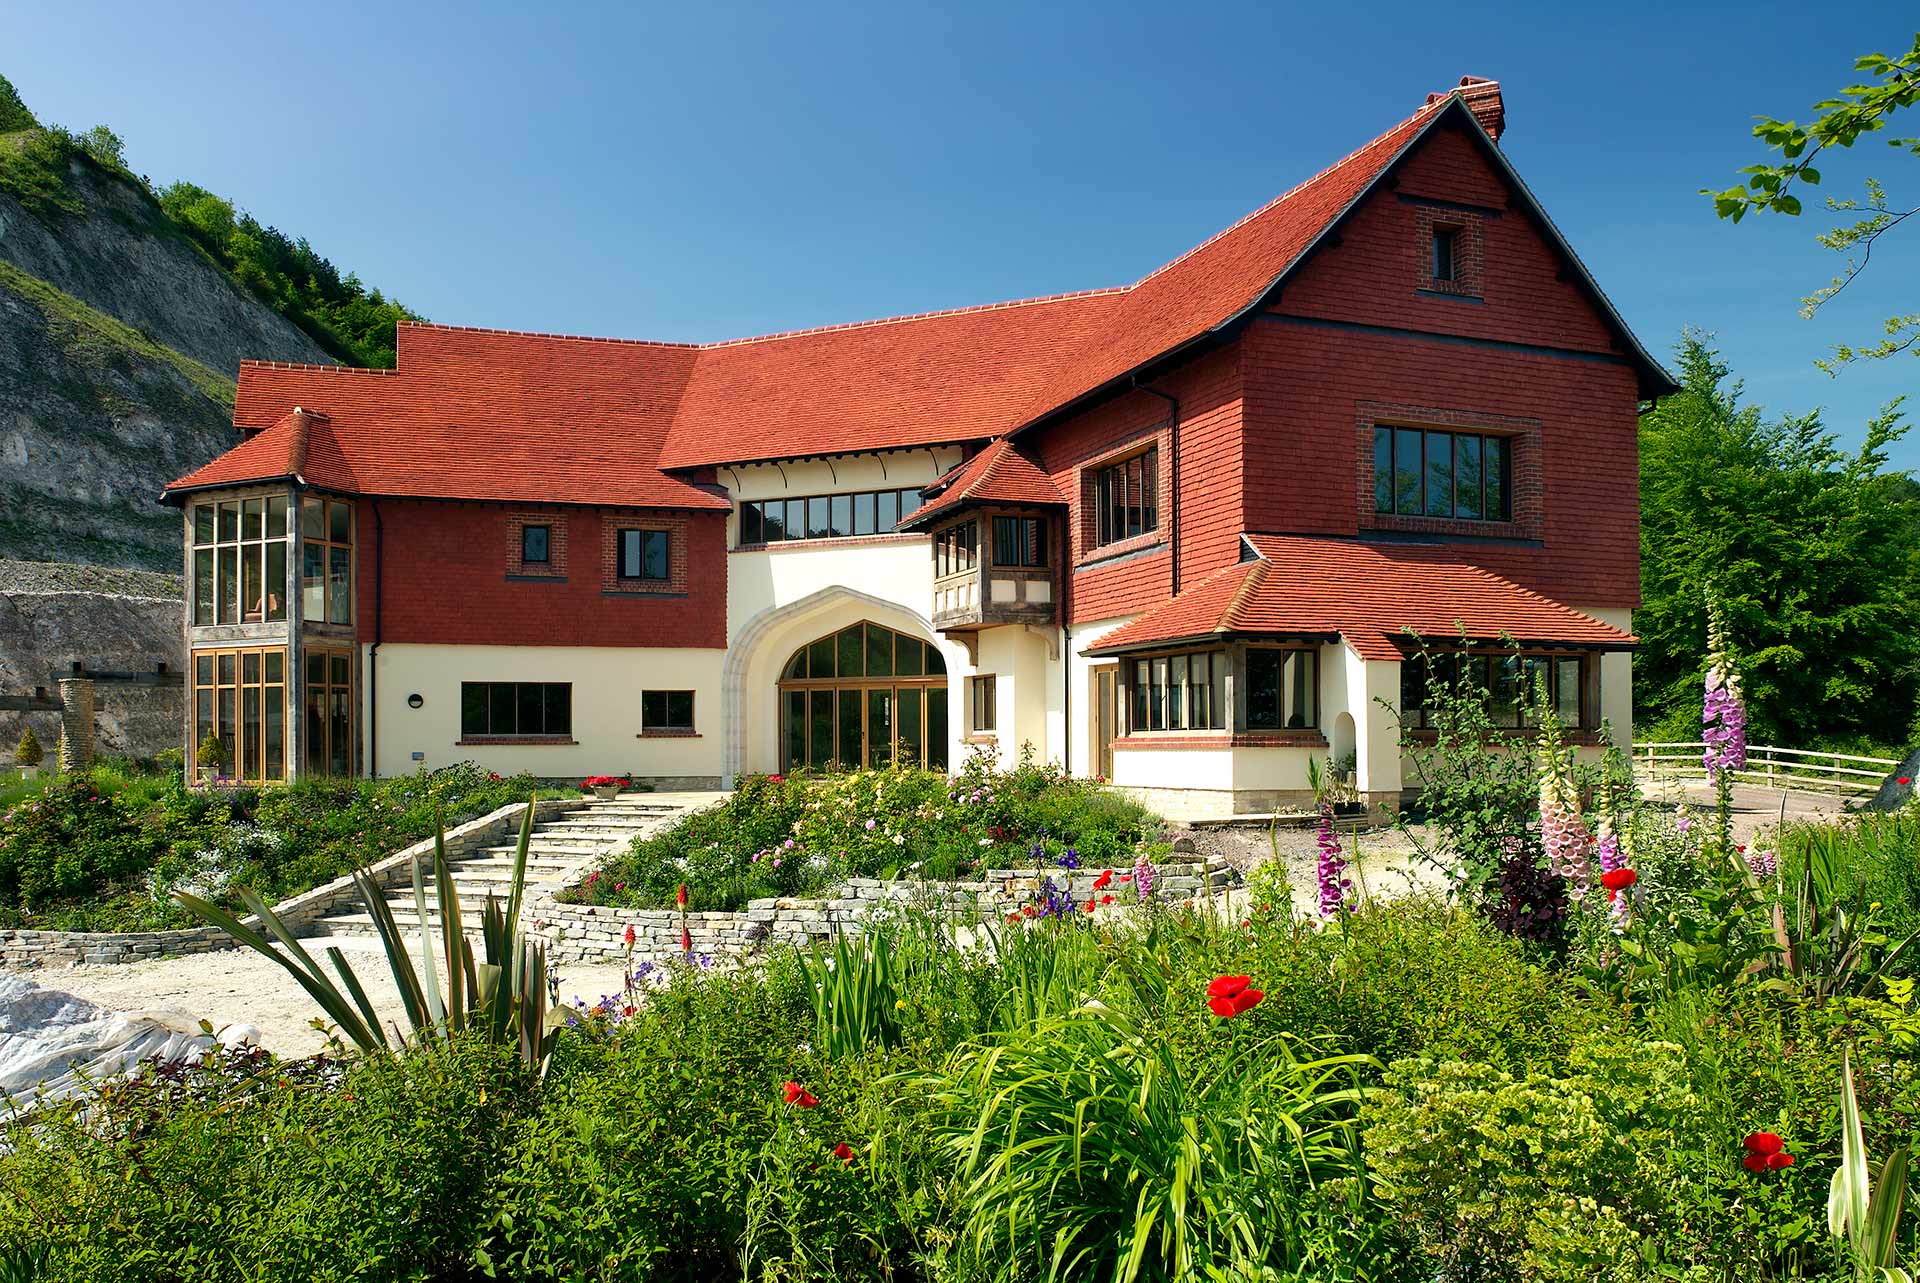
(898, 839)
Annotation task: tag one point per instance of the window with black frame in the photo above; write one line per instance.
(516, 710)
(1424, 472)
(1282, 689)
(1020, 542)
(1125, 498)
(644, 555)
(837, 516)
(1506, 682)
(1185, 692)
(666, 712)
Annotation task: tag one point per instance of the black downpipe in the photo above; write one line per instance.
(1173, 479)
(373, 651)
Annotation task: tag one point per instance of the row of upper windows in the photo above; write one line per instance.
(645, 555)
(838, 516)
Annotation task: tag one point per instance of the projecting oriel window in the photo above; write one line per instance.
(643, 554)
(1464, 476)
(1019, 541)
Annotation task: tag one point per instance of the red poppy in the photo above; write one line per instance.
(1106, 899)
(843, 1152)
(1776, 1161)
(1764, 1144)
(1755, 1162)
(797, 1095)
(1618, 880)
(1126, 877)
(1088, 906)
(1103, 881)
(1227, 986)
(1237, 1003)
(1904, 779)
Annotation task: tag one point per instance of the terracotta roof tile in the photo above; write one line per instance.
(1370, 594)
(1001, 473)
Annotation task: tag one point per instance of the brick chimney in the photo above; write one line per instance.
(1482, 97)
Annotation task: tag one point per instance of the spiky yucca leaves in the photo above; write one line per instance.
(1866, 1217)
(504, 997)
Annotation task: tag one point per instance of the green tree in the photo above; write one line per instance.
(105, 146)
(1861, 111)
(1814, 552)
(14, 115)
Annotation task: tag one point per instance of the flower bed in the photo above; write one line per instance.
(797, 835)
(105, 851)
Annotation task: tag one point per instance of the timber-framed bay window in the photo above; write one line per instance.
(1283, 688)
(240, 696)
(240, 561)
(326, 561)
(1509, 681)
(1182, 692)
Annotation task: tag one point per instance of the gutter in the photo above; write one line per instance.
(373, 651)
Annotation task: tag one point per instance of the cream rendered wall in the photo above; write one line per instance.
(1028, 689)
(1082, 758)
(1616, 676)
(607, 682)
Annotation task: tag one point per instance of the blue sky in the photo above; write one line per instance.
(715, 170)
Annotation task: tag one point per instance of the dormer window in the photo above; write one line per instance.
(1446, 242)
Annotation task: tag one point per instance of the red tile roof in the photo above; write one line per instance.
(1001, 473)
(1370, 594)
(493, 414)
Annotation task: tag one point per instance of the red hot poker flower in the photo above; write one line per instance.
(1227, 986)
(681, 897)
(629, 935)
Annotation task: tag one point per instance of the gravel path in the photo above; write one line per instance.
(240, 986)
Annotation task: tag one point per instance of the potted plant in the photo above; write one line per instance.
(28, 755)
(1342, 790)
(605, 787)
(210, 758)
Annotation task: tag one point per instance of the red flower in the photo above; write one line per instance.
(843, 1152)
(1106, 899)
(1755, 1162)
(686, 940)
(1126, 877)
(1103, 881)
(776, 779)
(1766, 1152)
(680, 897)
(1763, 1144)
(1776, 1161)
(629, 935)
(797, 1095)
(1237, 1003)
(1088, 906)
(1227, 986)
(1904, 779)
(1618, 880)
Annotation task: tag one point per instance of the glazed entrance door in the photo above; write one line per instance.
(862, 697)
(1105, 726)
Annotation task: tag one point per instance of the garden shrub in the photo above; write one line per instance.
(106, 850)
(799, 834)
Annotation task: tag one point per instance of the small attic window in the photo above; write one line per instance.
(1446, 264)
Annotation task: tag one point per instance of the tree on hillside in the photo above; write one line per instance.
(1814, 552)
(14, 115)
(1860, 111)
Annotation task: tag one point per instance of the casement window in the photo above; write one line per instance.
(644, 555)
(328, 712)
(666, 711)
(536, 545)
(1463, 476)
(240, 561)
(1125, 498)
(983, 694)
(516, 710)
(956, 550)
(1019, 541)
(326, 561)
(1282, 689)
(869, 512)
(1445, 258)
(1185, 692)
(1508, 682)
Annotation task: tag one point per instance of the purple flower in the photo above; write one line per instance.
(1069, 859)
(1764, 863)
(1723, 715)
(1334, 884)
(1143, 877)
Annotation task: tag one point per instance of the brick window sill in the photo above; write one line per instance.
(1462, 526)
(667, 735)
(1150, 541)
(535, 577)
(1436, 291)
(484, 741)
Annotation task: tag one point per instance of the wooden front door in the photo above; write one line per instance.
(1105, 724)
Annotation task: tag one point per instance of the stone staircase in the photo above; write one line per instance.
(562, 849)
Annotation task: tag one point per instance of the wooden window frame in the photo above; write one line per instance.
(1393, 434)
(1312, 654)
(1030, 537)
(231, 558)
(1145, 703)
(328, 545)
(1486, 658)
(983, 704)
(1139, 467)
(204, 674)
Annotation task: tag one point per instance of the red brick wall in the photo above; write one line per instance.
(1312, 392)
(1132, 576)
(451, 577)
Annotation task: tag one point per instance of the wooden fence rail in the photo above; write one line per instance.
(1770, 766)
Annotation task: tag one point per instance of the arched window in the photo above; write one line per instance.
(862, 697)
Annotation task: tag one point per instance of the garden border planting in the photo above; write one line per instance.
(25, 947)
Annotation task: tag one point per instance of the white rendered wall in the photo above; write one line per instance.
(607, 682)
(1616, 676)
